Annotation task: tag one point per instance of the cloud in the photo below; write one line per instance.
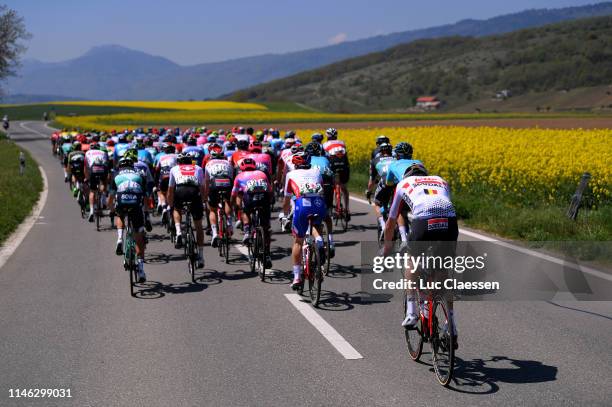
(337, 39)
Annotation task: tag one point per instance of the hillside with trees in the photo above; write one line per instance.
(459, 70)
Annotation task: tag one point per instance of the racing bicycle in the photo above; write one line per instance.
(312, 270)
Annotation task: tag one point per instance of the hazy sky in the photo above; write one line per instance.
(195, 31)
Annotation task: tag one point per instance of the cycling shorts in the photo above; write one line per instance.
(383, 195)
(304, 207)
(164, 179)
(215, 194)
(95, 178)
(128, 204)
(257, 200)
(433, 230)
(340, 167)
(189, 195)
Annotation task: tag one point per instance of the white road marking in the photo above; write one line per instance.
(324, 328)
(552, 259)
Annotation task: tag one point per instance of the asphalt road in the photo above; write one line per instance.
(68, 321)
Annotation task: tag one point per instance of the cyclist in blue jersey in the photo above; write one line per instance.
(314, 154)
(395, 174)
(194, 151)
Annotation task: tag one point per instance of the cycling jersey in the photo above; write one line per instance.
(97, 161)
(196, 152)
(165, 163)
(186, 175)
(145, 157)
(76, 159)
(302, 183)
(395, 172)
(130, 187)
(263, 162)
(323, 166)
(335, 148)
(427, 197)
(218, 177)
(120, 150)
(237, 156)
(379, 167)
(251, 182)
(145, 172)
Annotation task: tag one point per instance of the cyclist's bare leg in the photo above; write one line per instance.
(401, 224)
(199, 232)
(344, 190)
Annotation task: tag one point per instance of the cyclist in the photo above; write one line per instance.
(252, 190)
(165, 163)
(432, 217)
(144, 156)
(243, 150)
(306, 185)
(379, 167)
(316, 158)
(96, 171)
(75, 167)
(141, 165)
(130, 189)
(338, 158)
(65, 150)
(395, 173)
(195, 151)
(262, 160)
(218, 180)
(186, 187)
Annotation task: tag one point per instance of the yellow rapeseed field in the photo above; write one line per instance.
(178, 105)
(530, 164)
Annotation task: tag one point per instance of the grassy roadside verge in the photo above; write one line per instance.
(18, 194)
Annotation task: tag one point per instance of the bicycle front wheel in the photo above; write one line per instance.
(414, 336)
(442, 342)
(192, 256)
(325, 236)
(260, 244)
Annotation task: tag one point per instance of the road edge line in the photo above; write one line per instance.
(324, 328)
(524, 250)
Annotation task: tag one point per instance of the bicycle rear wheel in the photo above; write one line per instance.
(260, 250)
(192, 256)
(442, 342)
(315, 277)
(414, 336)
(221, 227)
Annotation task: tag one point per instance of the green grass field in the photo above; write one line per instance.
(18, 194)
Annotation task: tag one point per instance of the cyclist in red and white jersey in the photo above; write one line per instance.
(186, 187)
(432, 218)
(338, 158)
(306, 184)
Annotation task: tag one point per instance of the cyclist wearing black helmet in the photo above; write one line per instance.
(432, 215)
(338, 157)
(130, 189)
(186, 188)
(218, 181)
(165, 162)
(96, 171)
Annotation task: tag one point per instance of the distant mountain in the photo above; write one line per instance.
(459, 70)
(115, 72)
(25, 99)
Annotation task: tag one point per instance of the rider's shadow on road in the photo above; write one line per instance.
(152, 290)
(479, 376)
